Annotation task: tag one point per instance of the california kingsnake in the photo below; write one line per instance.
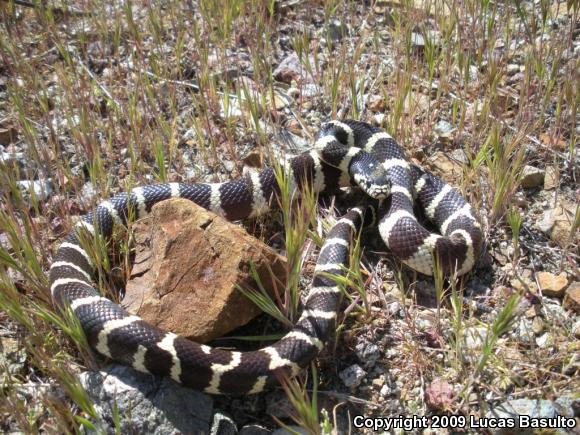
(336, 161)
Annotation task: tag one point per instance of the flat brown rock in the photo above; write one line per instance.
(188, 262)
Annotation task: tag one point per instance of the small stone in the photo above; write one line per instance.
(572, 297)
(439, 395)
(565, 405)
(520, 200)
(377, 103)
(8, 135)
(337, 30)
(311, 90)
(386, 390)
(443, 129)
(532, 177)
(474, 337)
(291, 69)
(367, 353)
(537, 325)
(293, 92)
(552, 285)
(512, 68)
(551, 178)
(88, 192)
(544, 340)
(379, 382)
(573, 366)
(223, 425)
(530, 407)
(352, 376)
(13, 159)
(417, 40)
(40, 189)
(524, 331)
(576, 329)
(563, 215)
(445, 166)
(379, 118)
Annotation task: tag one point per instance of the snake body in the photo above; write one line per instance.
(346, 153)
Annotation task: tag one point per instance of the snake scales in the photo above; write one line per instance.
(346, 153)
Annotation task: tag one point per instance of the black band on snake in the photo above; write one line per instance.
(346, 153)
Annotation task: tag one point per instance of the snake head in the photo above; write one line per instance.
(377, 185)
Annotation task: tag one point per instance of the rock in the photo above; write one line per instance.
(223, 425)
(145, 404)
(352, 376)
(524, 331)
(337, 30)
(538, 325)
(40, 189)
(576, 329)
(377, 103)
(311, 90)
(88, 192)
(196, 295)
(530, 407)
(12, 358)
(290, 69)
(475, 337)
(417, 40)
(443, 129)
(572, 297)
(567, 406)
(13, 159)
(532, 177)
(544, 341)
(445, 166)
(573, 366)
(439, 395)
(552, 285)
(552, 178)
(563, 216)
(367, 353)
(254, 429)
(8, 135)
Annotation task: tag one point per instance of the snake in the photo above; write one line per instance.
(346, 153)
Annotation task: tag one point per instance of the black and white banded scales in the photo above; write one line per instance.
(346, 153)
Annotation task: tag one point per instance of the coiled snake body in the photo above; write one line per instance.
(346, 153)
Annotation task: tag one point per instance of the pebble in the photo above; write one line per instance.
(524, 331)
(551, 178)
(367, 353)
(576, 329)
(532, 177)
(88, 192)
(531, 407)
(443, 129)
(352, 376)
(474, 337)
(337, 30)
(572, 298)
(42, 189)
(552, 285)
